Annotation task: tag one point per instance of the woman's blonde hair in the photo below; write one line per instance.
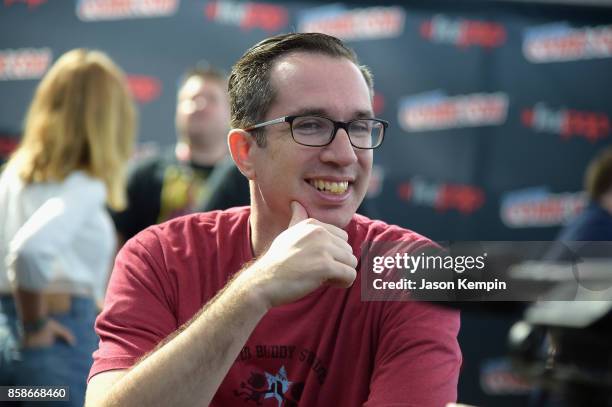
(82, 117)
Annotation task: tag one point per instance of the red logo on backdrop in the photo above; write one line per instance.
(145, 89)
(7, 145)
(378, 103)
(32, 4)
(442, 197)
(463, 33)
(268, 17)
(567, 122)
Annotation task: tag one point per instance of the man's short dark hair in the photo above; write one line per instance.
(598, 177)
(250, 89)
(204, 71)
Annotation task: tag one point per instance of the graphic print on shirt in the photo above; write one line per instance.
(184, 190)
(271, 386)
(278, 387)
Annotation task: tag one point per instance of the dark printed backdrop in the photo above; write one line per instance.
(495, 108)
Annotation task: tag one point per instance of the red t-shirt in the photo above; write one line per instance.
(326, 349)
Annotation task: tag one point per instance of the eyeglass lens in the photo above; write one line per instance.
(317, 131)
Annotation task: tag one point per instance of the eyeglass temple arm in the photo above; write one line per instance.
(269, 122)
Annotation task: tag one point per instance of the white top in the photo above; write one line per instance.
(55, 236)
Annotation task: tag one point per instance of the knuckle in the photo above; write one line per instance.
(318, 231)
(349, 275)
(320, 263)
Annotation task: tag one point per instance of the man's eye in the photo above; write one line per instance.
(361, 127)
(307, 126)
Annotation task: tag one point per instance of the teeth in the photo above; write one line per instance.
(333, 187)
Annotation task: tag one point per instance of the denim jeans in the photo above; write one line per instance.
(58, 365)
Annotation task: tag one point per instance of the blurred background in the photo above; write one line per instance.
(496, 107)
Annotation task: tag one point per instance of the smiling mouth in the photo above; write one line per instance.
(337, 188)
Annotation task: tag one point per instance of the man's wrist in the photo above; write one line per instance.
(249, 288)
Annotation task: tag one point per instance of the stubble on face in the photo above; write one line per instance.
(308, 83)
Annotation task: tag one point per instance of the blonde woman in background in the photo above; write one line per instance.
(56, 238)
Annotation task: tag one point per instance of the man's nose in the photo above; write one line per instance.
(340, 151)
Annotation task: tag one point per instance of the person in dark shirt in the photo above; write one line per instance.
(595, 222)
(176, 181)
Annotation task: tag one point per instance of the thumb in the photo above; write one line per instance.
(298, 213)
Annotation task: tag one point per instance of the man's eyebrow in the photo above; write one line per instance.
(362, 114)
(365, 114)
(309, 112)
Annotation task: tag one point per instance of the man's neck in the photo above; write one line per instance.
(208, 156)
(264, 229)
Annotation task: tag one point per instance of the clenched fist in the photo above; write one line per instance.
(307, 254)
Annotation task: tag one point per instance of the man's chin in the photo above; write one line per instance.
(340, 220)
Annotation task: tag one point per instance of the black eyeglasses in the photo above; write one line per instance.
(318, 131)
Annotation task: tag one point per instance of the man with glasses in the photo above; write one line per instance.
(260, 305)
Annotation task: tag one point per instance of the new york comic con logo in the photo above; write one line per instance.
(353, 24)
(559, 42)
(247, 15)
(443, 197)
(96, 10)
(567, 122)
(463, 33)
(538, 207)
(24, 63)
(437, 111)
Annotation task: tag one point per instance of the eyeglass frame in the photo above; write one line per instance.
(337, 125)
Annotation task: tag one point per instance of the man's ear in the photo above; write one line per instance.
(241, 146)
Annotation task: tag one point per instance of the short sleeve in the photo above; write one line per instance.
(418, 358)
(139, 306)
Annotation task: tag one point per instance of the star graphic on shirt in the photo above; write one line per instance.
(276, 381)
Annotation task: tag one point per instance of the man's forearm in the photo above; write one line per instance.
(188, 369)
